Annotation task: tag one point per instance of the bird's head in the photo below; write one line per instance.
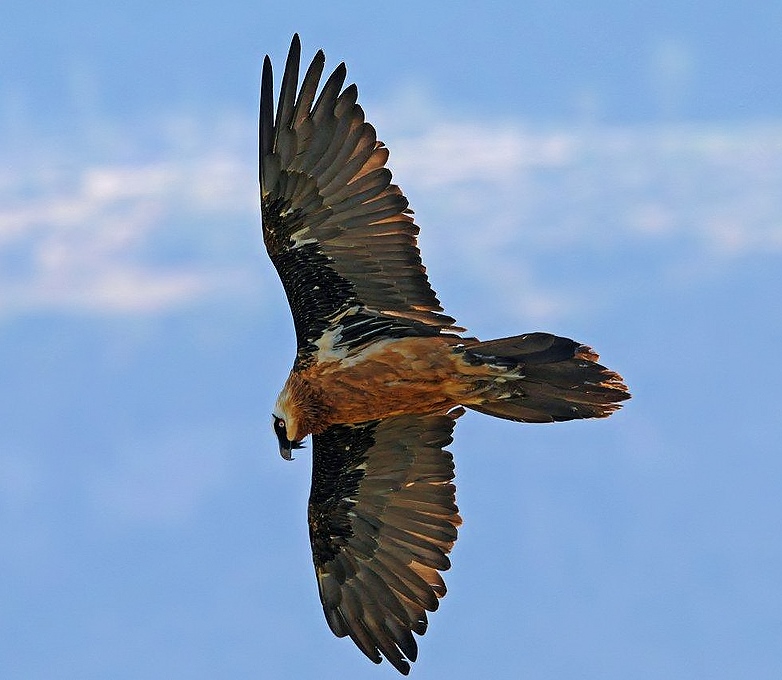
(285, 426)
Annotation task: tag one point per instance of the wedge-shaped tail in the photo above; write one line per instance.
(542, 378)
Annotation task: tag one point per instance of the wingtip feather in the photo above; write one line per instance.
(265, 116)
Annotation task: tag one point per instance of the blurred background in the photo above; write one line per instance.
(609, 171)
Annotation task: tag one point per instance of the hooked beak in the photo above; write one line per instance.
(287, 446)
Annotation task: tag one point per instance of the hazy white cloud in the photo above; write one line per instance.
(516, 203)
(107, 235)
(711, 183)
(452, 153)
(83, 234)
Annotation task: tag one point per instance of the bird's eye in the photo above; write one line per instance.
(279, 424)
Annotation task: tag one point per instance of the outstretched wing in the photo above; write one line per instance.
(383, 517)
(338, 232)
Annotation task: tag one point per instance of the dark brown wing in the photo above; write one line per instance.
(383, 517)
(339, 233)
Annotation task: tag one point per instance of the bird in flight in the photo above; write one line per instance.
(381, 373)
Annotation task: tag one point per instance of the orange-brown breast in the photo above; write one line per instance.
(390, 377)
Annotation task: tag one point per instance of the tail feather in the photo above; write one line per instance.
(539, 378)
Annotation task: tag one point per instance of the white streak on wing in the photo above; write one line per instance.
(299, 237)
(327, 352)
(325, 344)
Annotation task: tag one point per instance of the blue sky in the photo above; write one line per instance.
(608, 173)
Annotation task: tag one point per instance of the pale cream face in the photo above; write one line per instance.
(284, 428)
(282, 411)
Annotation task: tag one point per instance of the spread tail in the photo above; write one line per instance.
(540, 378)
